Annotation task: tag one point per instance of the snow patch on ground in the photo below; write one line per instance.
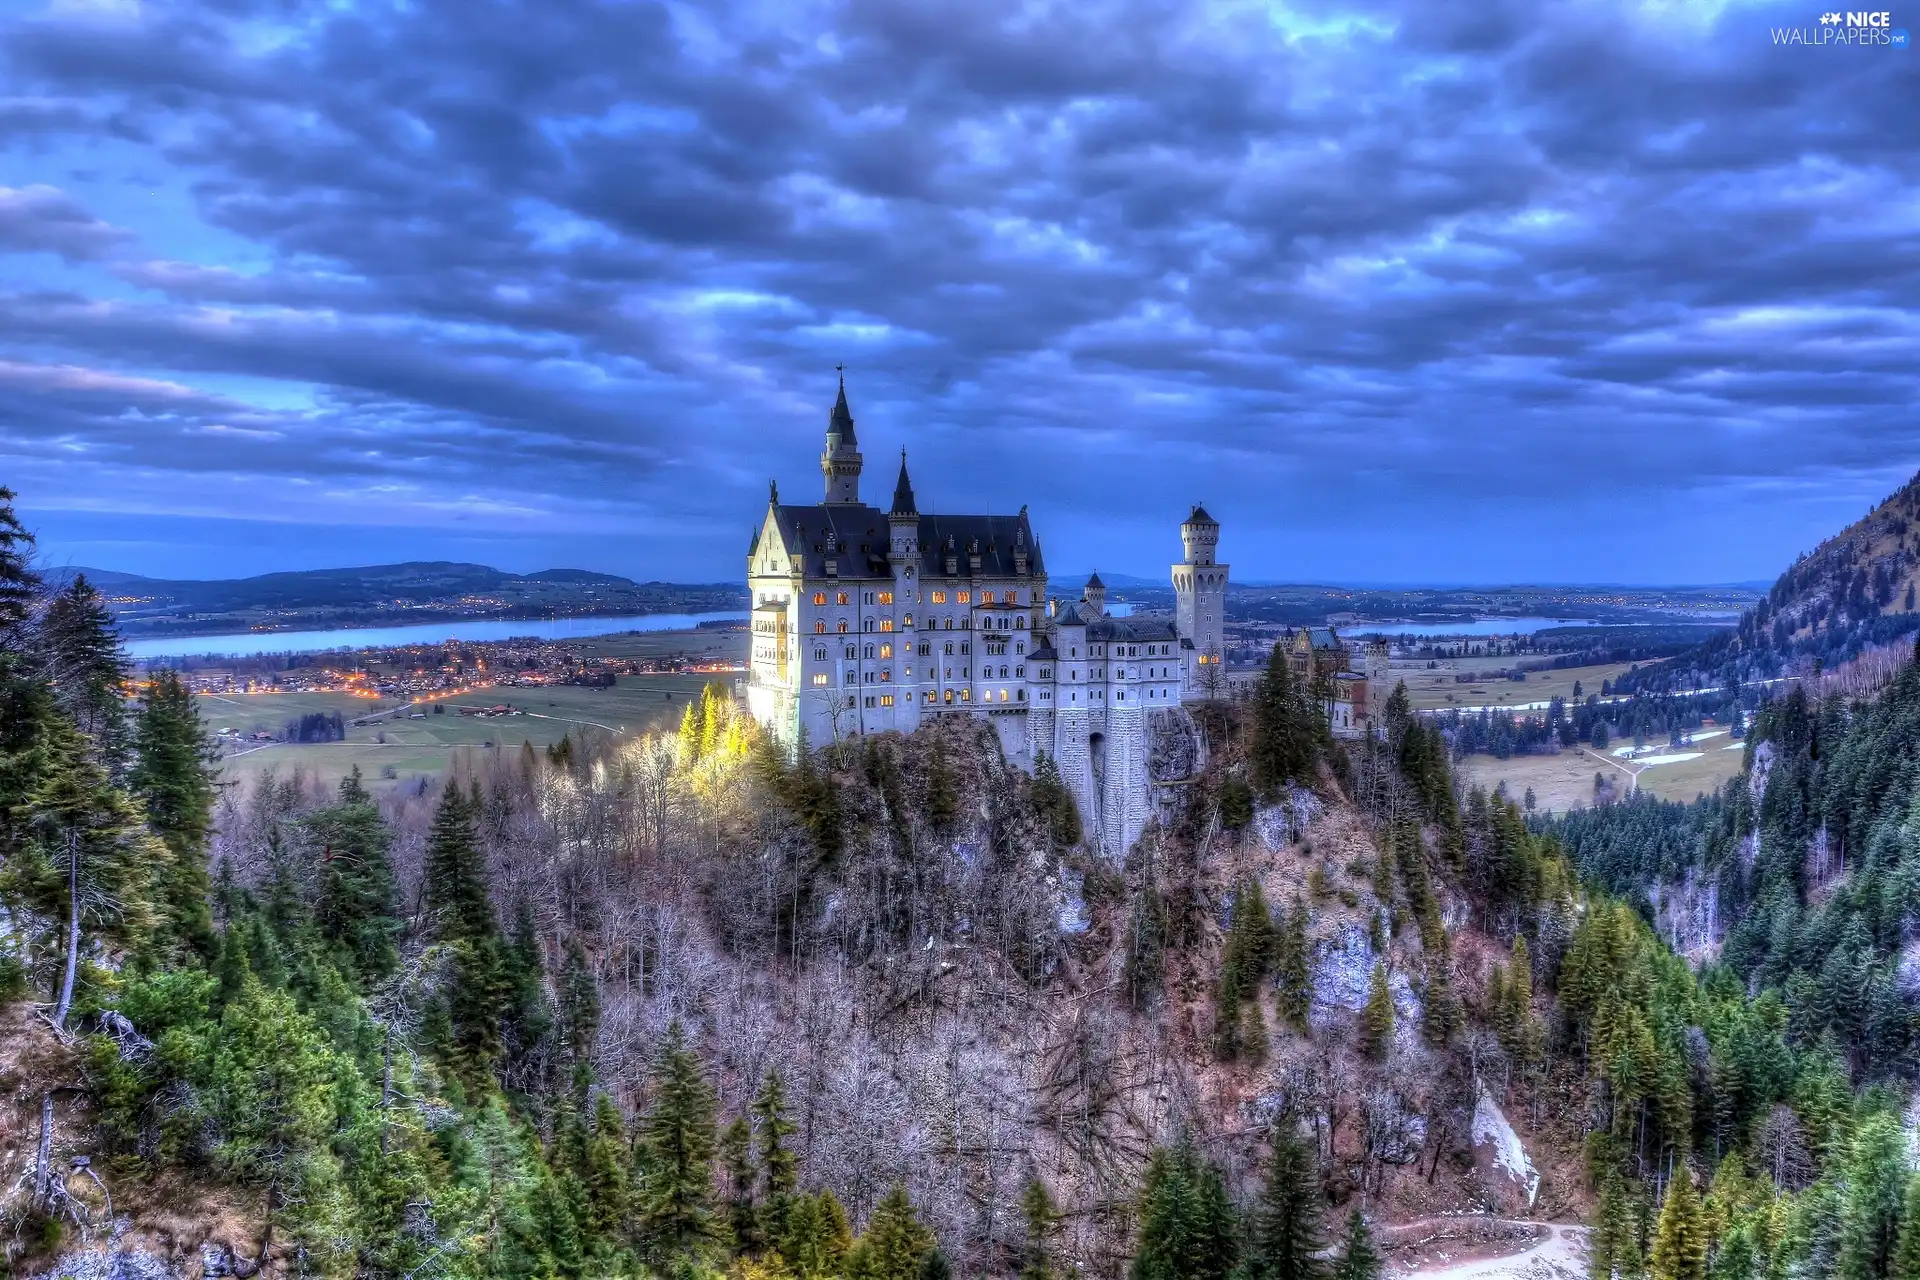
(1490, 1127)
(1676, 757)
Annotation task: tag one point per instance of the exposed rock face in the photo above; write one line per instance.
(1280, 824)
(1173, 746)
(1505, 1167)
(1342, 970)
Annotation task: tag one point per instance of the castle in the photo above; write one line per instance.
(866, 621)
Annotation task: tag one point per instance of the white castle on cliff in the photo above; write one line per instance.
(866, 621)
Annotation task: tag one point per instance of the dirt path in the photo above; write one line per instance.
(1560, 1254)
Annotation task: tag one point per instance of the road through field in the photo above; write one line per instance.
(1561, 1254)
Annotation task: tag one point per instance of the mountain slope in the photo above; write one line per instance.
(1857, 590)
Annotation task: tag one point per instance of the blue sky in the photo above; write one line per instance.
(1407, 291)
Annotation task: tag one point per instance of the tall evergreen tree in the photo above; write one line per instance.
(1359, 1259)
(1282, 749)
(778, 1167)
(677, 1143)
(95, 855)
(87, 670)
(1876, 1178)
(1906, 1255)
(1042, 1220)
(743, 1212)
(895, 1244)
(1376, 1020)
(1186, 1220)
(174, 780)
(358, 905)
(1293, 968)
(1283, 1238)
(1680, 1240)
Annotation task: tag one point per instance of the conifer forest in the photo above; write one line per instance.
(685, 1005)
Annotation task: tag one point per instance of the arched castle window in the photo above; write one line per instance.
(820, 628)
(869, 651)
(1020, 624)
(840, 597)
(819, 597)
(886, 624)
(843, 626)
(869, 625)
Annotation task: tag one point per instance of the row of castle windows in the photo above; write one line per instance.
(1019, 623)
(939, 597)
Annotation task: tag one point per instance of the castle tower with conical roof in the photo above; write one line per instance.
(1200, 607)
(840, 461)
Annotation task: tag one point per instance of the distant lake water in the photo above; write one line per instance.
(1477, 627)
(246, 644)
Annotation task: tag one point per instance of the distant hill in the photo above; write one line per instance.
(415, 591)
(1114, 581)
(1855, 591)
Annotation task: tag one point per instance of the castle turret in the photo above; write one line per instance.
(903, 520)
(1200, 606)
(1096, 597)
(840, 462)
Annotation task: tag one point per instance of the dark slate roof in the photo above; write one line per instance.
(1132, 630)
(841, 419)
(1200, 516)
(1093, 581)
(1045, 653)
(804, 530)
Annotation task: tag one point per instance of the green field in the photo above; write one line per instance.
(396, 749)
(1565, 781)
(1437, 688)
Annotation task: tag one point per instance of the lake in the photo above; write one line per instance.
(1477, 627)
(247, 644)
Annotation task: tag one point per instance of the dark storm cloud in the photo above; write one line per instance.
(1336, 266)
(42, 219)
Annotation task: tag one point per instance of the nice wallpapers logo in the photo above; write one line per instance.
(1849, 30)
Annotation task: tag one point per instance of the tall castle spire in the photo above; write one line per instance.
(840, 461)
(903, 504)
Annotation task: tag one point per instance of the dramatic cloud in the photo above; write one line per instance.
(1402, 290)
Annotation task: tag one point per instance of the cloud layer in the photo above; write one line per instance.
(1405, 291)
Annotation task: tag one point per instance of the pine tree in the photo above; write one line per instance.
(20, 586)
(815, 1239)
(173, 779)
(1283, 1240)
(358, 905)
(1358, 1260)
(895, 1243)
(1043, 1220)
(1442, 1016)
(1186, 1220)
(1053, 803)
(1282, 749)
(777, 1164)
(1376, 1020)
(677, 1141)
(86, 670)
(603, 1173)
(1876, 1184)
(1293, 968)
(95, 854)
(1680, 1240)
(455, 877)
(743, 1213)
(1906, 1255)
(579, 1003)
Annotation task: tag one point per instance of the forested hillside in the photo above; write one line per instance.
(684, 1006)
(1856, 592)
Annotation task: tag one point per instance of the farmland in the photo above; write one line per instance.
(1565, 780)
(395, 743)
(1437, 689)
